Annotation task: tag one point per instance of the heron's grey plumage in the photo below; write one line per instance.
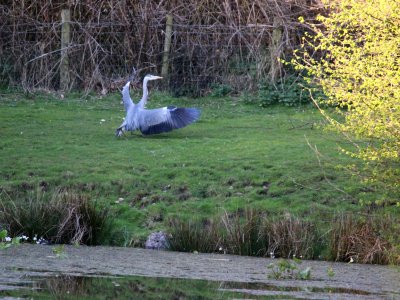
(153, 121)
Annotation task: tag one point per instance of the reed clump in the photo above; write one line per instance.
(365, 239)
(194, 235)
(62, 216)
(249, 232)
(346, 238)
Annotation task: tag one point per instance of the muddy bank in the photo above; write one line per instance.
(19, 263)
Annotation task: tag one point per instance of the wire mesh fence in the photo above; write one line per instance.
(211, 42)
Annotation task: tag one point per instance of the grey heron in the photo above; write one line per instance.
(153, 121)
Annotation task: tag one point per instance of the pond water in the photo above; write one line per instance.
(135, 287)
(38, 272)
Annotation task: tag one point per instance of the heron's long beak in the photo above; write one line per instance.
(157, 77)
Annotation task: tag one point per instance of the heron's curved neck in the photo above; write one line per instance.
(145, 90)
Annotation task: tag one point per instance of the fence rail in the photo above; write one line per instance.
(94, 48)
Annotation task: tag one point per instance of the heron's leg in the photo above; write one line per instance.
(120, 130)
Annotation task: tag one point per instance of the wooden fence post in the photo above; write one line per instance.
(276, 50)
(65, 40)
(167, 45)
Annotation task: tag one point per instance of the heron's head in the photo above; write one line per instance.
(152, 77)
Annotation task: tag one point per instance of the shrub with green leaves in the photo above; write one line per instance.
(289, 269)
(358, 68)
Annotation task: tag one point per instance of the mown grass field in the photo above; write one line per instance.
(238, 155)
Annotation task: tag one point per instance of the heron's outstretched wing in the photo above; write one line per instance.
(125, 96)
(153, 121)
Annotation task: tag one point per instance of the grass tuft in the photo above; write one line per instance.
(366, 239)
(194, 235)
(242, 233)
(247, 232)
(290, 237)
(251, 232)
(63, 216)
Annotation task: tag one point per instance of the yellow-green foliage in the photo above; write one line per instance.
(359, 72)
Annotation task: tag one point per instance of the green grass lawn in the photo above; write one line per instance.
(235, 156)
